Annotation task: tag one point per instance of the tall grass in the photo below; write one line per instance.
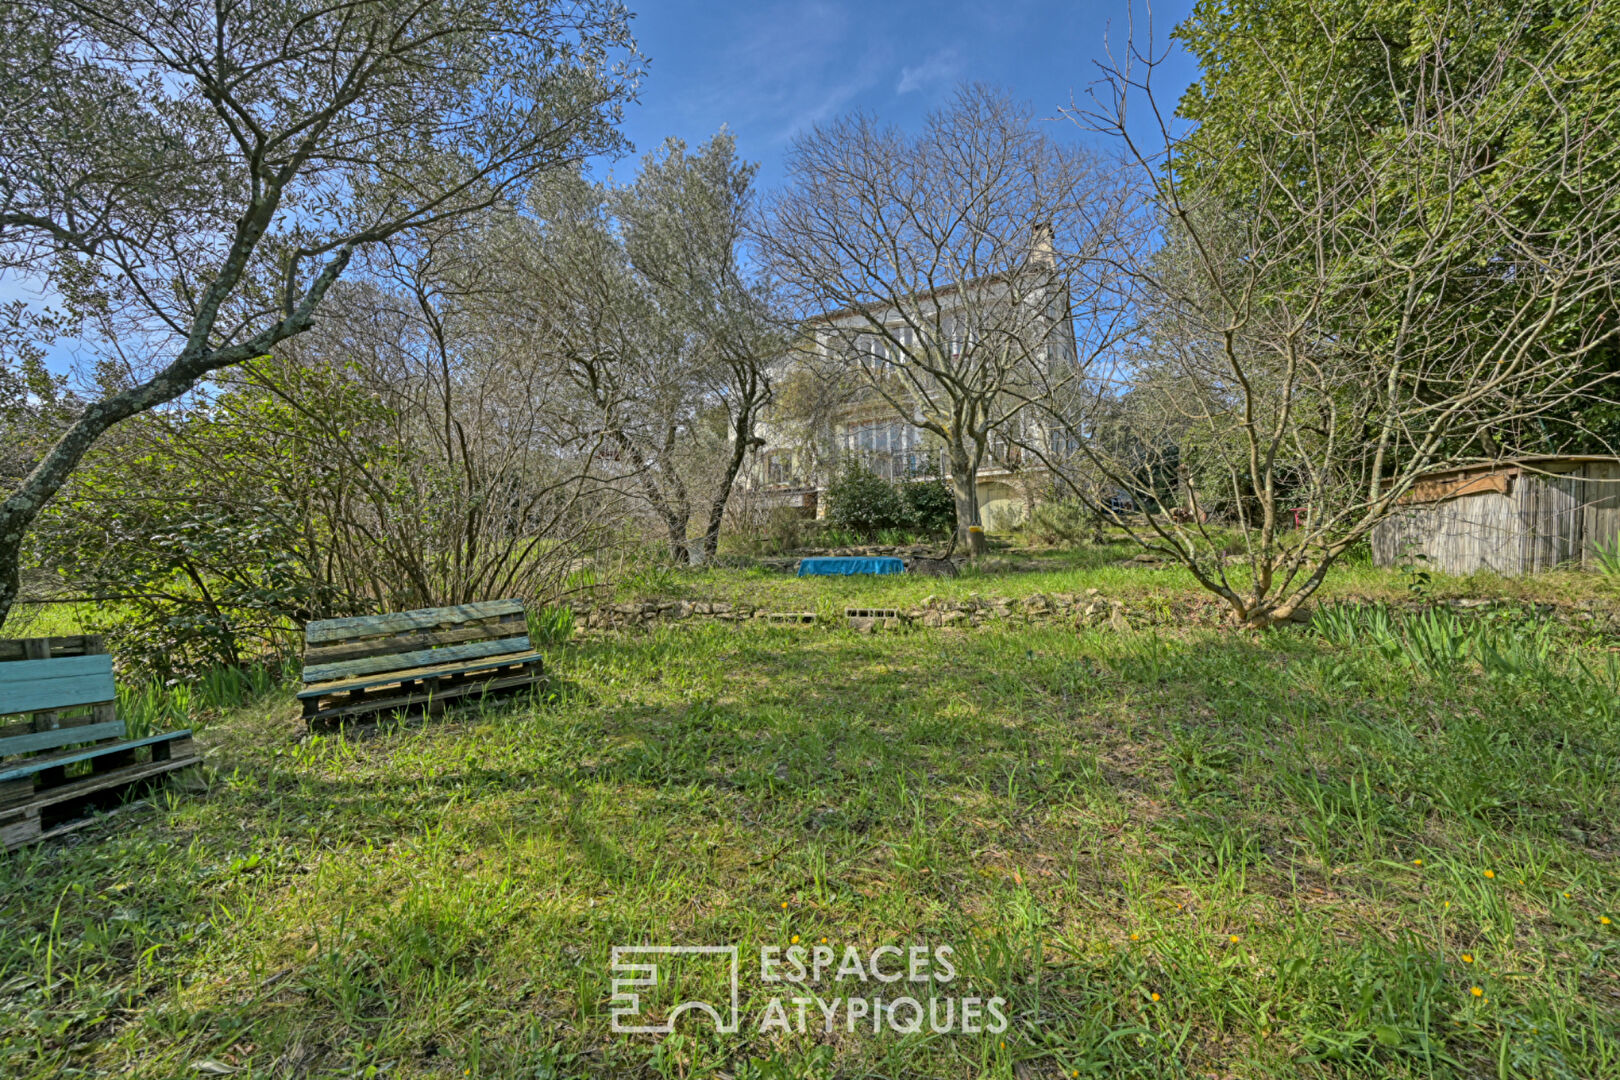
(152, 705)
(1441, 642)
(551, 626)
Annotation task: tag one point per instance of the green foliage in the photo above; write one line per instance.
(863, 504)
(930, 507)
(1608, 556)
(1060, 521)
(1441, 642)
(1365, 62)
(200, 524)
(151, 705)
(551, 626)
(861, 501)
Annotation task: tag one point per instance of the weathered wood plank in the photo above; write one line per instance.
(16, 792)
(436, 671)
(371, 665)
(129, 774)
(19, 830)
(49, 739)
(29, 766)
(423, 697)
(76, 719)
(326, 631)
(30, 685)
(504, 626)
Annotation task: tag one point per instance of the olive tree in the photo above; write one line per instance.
(640, 291)
(193, 179)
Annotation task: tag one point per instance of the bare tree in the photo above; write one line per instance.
(950, 270)
(193, 179)
(1329, 316)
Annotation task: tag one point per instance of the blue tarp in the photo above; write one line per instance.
(853, 565)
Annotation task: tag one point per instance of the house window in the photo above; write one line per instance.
(890, 448)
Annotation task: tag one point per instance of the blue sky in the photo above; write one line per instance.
(769, 69)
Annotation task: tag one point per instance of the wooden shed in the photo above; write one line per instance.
(1513, 517)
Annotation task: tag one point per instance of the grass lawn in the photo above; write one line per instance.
(1189, 853)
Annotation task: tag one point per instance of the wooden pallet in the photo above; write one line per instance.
(62, 747)
(406, 659)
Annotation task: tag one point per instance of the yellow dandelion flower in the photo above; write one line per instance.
(1604, 919)
(1448, 903)
(1233, 938)
(1417, 862)
(1136, 937)
(1477, 991)
(794, 940)
(1568, 897)
(1155, 996)
(1468, 958)
(824, 941)
(1490, 873)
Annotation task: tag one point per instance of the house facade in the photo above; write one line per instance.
(830, 408)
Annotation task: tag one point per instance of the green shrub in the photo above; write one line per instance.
(864, 503)
(1061, 521)
(930, 506)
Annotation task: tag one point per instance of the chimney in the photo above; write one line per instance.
(1041, 252)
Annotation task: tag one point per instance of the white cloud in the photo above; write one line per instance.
(942, 66)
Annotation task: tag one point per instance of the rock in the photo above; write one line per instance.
(1116, 616)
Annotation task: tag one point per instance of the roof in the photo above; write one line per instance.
(943, 290)
(1438, 485)
(1519, 463)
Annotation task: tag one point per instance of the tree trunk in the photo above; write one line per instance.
(10, 557)
(678, 525)
(742, 441)
(965, 492)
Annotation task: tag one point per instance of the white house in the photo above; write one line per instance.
(856, 347)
